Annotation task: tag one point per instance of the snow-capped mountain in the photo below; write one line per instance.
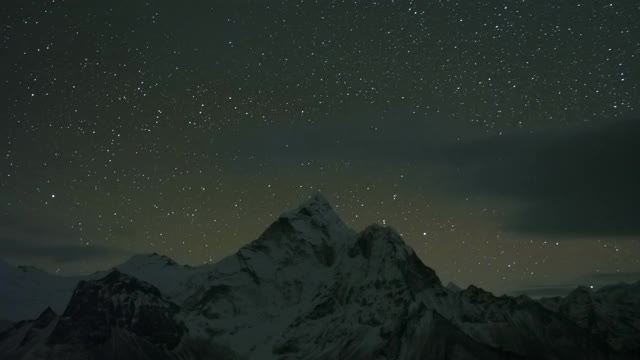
(161, 271)
(29, 290)
(308, 288)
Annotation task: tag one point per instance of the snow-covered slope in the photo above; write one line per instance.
(311, 288)
(257, 292)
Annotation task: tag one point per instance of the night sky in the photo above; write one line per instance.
(501, 138)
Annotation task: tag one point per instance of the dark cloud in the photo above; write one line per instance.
(60, 253)
(575, 182)
(27, 238)
(578, 181)
(22, 225)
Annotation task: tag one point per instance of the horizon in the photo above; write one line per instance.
(550, 290)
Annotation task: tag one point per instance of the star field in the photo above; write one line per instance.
(156, 126)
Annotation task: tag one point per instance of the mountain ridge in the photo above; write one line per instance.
(309, 287)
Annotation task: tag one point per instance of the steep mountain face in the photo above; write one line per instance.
(118, 301)
(371, 309)
(258, 291)
(612, 313)
(309, 288)
(117, 316)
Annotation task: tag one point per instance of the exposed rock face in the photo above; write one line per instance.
(118, 301)
(116, 317)
(311, 288)
(612, 313)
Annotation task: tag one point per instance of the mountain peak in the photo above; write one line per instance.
(113, 276)
(315, 205)
(48, 312)
(314, 218)
(117, 281)
(312, 229)
(318, 198)
(45, 318)
(385, 252)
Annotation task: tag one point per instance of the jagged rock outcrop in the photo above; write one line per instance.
(611, 313)
(118, 301)
(115, 317)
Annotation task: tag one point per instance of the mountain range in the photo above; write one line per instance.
(309, 287)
